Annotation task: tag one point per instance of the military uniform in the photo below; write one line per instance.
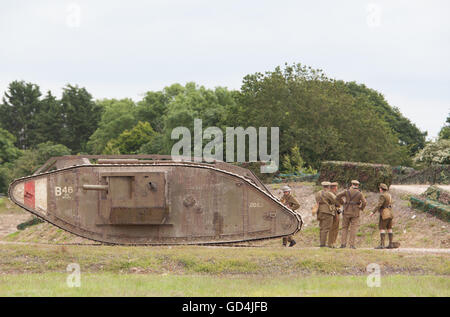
(325, 214)
(354, 203)
(292, 203)
(384, 202)
(334, 231)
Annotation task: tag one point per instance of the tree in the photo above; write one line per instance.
(50, 121)
(444, 134)
(81, 117)
(408, 133)
(319, 115)
(434, 153)
(8, 152)
(130, 141)
(293, 162)
(117, 116)
(32, 159)
(18, 110)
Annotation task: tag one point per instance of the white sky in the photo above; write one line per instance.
(120, 49)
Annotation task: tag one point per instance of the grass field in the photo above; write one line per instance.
(109, 284)
(40, 270)
(28, 269)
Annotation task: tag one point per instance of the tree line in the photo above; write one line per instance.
(319, 119)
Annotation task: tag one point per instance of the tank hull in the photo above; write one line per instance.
(155, 204)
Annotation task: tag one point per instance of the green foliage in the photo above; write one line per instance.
(434, 153)
(131, 141)
(408, 133)
(319, 115)
(117, 116)
(292, 162)
(369, 175)
(81, 117)
(444, 134)
(29, 223)
(438, 194)
(32, 159)
(8, 152)
(18, 112)
(69, 121)
(433, 207)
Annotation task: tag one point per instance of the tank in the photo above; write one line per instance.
(153, 200)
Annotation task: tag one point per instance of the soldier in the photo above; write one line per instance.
(354, 203)
(332, 236)
(289, 201)
(325, 214)
(385, 223)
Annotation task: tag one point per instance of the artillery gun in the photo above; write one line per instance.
(153, 200)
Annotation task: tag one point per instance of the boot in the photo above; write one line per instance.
(284, 242)
(381, 246)
(343, 246)
(391, 244)
(292, 243)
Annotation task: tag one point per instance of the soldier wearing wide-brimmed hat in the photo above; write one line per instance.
(384, 207)
(326, 201)
(354, 202)
(292, 203)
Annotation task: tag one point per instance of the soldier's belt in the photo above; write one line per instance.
(352, 203)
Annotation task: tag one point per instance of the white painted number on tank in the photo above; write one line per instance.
(255, 205)
(65, 192)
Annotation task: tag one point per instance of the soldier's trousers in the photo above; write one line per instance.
(350, 226)
(287, 239)
(325, 222)
(334, 231)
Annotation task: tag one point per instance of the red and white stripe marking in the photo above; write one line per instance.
(32, 194)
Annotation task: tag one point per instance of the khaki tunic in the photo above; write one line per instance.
(326, 213)
(327, 202)
(353, 201)
(384, 201)
(292, 203)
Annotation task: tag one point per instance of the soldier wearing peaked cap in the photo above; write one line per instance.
(384, 207)
(354, 202)
(334, 231)
(292, 203)
(326, 201)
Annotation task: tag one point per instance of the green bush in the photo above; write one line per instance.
(433, 207)
(369, 175)
(438, 194)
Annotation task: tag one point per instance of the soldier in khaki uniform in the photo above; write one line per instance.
(384, 202)
(334, 231)
(326, 211)
(289, 201)
(354, 203)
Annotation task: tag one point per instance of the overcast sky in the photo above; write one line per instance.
(120, 49)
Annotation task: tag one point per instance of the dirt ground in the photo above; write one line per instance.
(416, 189)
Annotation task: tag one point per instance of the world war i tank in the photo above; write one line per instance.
(153, 200)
